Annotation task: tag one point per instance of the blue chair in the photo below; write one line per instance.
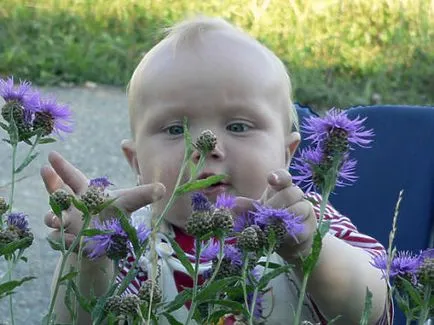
(401, 157)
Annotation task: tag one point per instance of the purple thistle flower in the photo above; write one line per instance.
(233, 254)
(53, 117)
(100, 182)
(311, 169)
(428, 253)
(404, 263)
(243, 221)
(114, 243)
(264, 216)
(210, 251)
(200, 202)
(319, 128)
(18, 220)
(23, 93)
(225, 201)
(142, 233)
(257, 312)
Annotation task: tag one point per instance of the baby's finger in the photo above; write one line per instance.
(279, 179)
(52, 221)
(134, 198)
(70, 175)
(51, 180)
(286, 197)
(243, 205)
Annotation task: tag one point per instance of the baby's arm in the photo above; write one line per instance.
(95, 275)
(339, 280)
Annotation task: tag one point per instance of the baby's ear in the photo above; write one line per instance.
(292, 142)
(129, 150)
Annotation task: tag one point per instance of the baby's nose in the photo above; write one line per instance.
(217, 153)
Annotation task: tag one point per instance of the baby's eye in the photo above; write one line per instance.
(175, 130)
(238, 127)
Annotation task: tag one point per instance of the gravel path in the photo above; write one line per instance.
(101, 123)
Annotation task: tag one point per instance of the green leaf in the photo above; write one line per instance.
(267, 277)
(8, 287)
(23, 258)
(57, 246)
(187, 138)
(15, 245)
(94, 232)
(211, 289)
(46, 140)
(86, 303)
(179, 301)
(13, 132)
(172, 320)
(80, 206)
(367, 309)
(182, 257)
(217, 315)
(270, 265)
(26, 162)
(199, 184)
(106, 204)
(234, 306)
(129, 229)
(69, 276)
(310, 261)
(411, 291)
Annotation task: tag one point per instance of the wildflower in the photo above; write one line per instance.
(93, 198)
(206, 142)
(18, 221)
(200, 222)
(425, 273)
(200, 202)
(62, 198)
(210, 250)
(312, 167)
(113, 243)
(142, 233)
(129, 305)
(258, 309)
(266, 216)
(231, 263)
(8, 236)
(3, 205)
(100, 182)
(404, 263)
(22, 96)
(243, 221)
(147, 288)
(52, 117)
(112, 304)
(337, 124)
(222, 215)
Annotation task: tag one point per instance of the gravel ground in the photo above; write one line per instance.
(101, 118)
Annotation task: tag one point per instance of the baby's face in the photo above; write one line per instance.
(227, 86)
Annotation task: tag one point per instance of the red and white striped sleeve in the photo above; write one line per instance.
(342, 228)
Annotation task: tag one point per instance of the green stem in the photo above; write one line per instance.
(244, 281)
(216, 270)
(424, 314)
(11, 308)
(65, 257)
(195, 282)
(12, 193)
(256, 291)
(324, 201)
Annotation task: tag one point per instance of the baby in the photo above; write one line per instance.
(223, 80)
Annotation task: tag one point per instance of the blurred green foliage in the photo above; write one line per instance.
(338, 52)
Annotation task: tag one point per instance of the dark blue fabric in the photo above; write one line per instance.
(401, 157)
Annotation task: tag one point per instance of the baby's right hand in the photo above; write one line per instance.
(61, 174)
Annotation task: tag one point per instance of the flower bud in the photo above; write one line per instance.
(146, 290)
(206, 142)
(112, 305)
(93, 198)
(129, 305)
(248, 240)
(3, 205)
(62, 198)
(222, 220)
(43, 122)
(199, 223)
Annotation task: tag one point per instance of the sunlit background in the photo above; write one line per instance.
(338, 52)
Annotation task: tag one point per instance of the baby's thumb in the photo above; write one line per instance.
(137, 197)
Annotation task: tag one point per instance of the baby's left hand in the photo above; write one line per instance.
(282, 193)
